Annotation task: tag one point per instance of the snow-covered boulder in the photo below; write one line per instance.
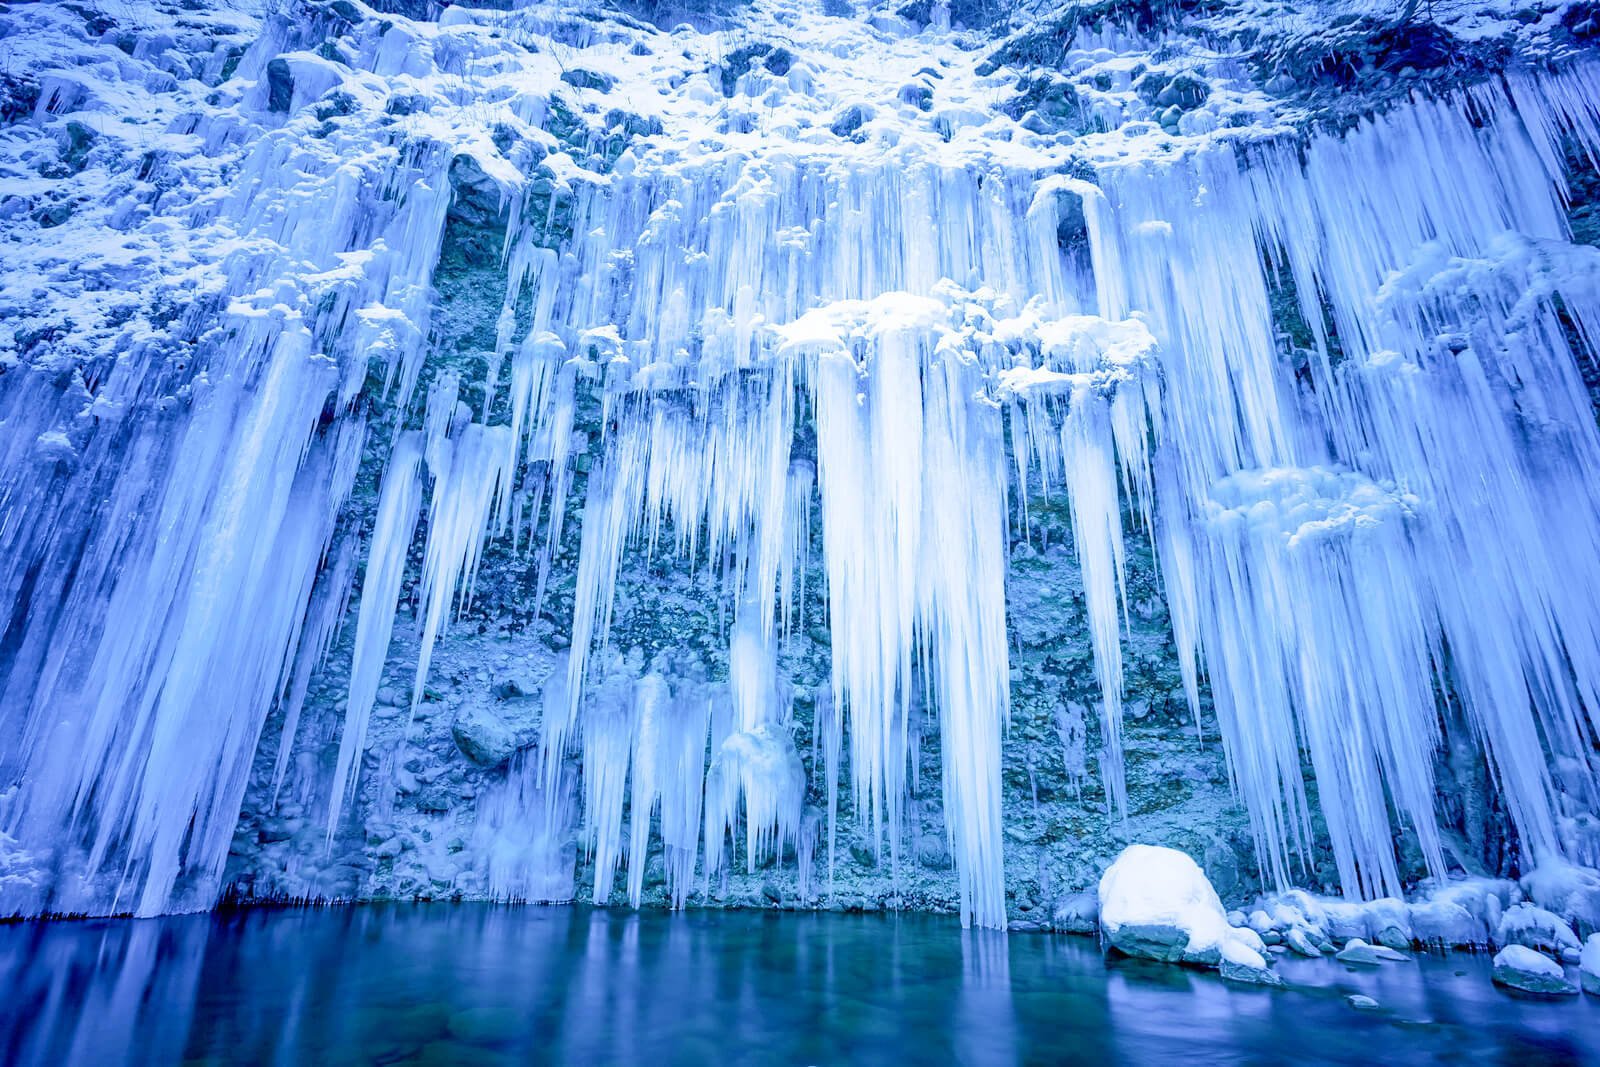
(1589, 965)
(1569, 891)
(1157, 903)
(1534, 927)
(1520, 967)
(1389, 922)
(1446, 924)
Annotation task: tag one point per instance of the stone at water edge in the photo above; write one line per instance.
(1361, 1003)
(1298, 940)
(1241, 963)
(1156, 903)
(1589, 965)
(1358, 951)
(1520, 967)
(1076, 913)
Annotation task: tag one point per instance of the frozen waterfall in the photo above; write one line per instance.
(746, 345)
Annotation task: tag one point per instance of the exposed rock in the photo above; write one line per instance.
(483, 737)
(1077, 913)
(588, 79)
(1241, 963)
(280, 85)
(1298, 940)
(933, 852)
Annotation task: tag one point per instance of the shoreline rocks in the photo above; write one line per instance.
(1520, 967)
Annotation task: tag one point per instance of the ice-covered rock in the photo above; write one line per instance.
(1589, 965)
(1157, 903)
(1520, 967)
(1534, 927)
(1570, 891)
(1389, 923)
(1445, 924)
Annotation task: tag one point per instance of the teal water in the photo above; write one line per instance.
(469, 984)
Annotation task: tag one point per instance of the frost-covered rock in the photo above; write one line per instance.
(1520, 967)
(1389, 923)
(1589, 965)
(1156, 903)
(483, 737)
(1077, 913)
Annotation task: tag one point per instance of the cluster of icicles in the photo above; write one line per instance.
(1412, 509)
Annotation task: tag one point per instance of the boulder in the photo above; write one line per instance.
(483, 737)
(1359, 952)
(1589, 965)
(1076, 913)
(1534, 927)
(1389, 921)
(1570, 891)
(1298, 940)
(1520, 967)
(933, 852)
(1156, 903)
(1445, 924)
(1241, 963)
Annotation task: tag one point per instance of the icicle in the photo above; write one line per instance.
(399, 502)
(471, 469)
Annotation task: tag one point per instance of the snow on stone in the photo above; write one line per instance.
(1157, 903)
(1522, 968)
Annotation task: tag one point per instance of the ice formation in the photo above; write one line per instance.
(954, 314)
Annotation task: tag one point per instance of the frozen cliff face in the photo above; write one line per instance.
(532, 454)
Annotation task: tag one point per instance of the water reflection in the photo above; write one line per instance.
(483, 984)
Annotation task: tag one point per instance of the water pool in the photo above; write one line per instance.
(466, 984)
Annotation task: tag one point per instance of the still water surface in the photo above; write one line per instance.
(469, 984)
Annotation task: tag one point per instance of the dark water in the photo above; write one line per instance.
(468, 984)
